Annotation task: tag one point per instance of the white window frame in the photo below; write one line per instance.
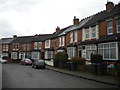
(60, 41)
(118, 25)
(63, 41)
(75, 36)
(34, 56)
(71, 37)
(87, 32)
(39, 45)
(14, 55)
(71, 51)
(47, 44)
(108, 50)
(90, 49)
(93, 31)
(109, 27)
(35, 45)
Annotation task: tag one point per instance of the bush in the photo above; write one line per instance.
(61, 59)
(96, 58)
(4, 57)
(78, 61)
(61, 56)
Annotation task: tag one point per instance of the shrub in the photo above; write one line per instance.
(5, 57)
(96, 58)
(61, 59)
(61, 56)
(79, 61)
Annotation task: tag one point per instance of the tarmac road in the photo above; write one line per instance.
(20, 76)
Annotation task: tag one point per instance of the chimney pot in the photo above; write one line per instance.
(57, 29)
(75, 20)
(14, 37)
(109, 5)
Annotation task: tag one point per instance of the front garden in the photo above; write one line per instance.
(97, 66)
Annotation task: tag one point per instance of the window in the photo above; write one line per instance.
(108, 51)
(48, 54)
(118, 25)
(47, 44)
(4, 47)
(39, 45)
(75, 36)
(14, 55)
(24, 46)
(35, 45)
(35, 55)
(28, 46)
(91, 49)
(15, 46)
(62, 41)
(93, 30)
(109, 28)
(71, 52)
(71, 37)
(53, 43)
(87, 33)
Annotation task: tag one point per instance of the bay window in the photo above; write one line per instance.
(90, 49)
(109, 51)
(71, 51)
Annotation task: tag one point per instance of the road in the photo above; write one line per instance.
(20, 76)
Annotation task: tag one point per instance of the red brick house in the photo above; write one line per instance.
(99, 33)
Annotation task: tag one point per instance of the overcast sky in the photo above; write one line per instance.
(30, 17)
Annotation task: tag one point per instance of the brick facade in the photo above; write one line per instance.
(91, 34)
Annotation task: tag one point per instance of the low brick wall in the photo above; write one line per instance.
(50, 63)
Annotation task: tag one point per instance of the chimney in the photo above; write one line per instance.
(36, 35)
(57, 29)
(14, 37)
(75, 20)
(109, 5)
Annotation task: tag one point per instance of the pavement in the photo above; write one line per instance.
(98, 78)
(0, 76)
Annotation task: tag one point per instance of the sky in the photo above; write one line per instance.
(30, 17)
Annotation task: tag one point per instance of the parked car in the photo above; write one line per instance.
(26, 62)
(39, 64)
(3, 61)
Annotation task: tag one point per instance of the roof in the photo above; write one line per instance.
(103, 15)
(23, 39)
(62, 31)
(5, 40)
(108, 38)
(42, 37)
(79, 25)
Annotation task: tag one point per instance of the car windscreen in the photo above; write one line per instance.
(40, 60)
(27, 60)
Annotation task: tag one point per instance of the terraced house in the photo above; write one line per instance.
(98, 33)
